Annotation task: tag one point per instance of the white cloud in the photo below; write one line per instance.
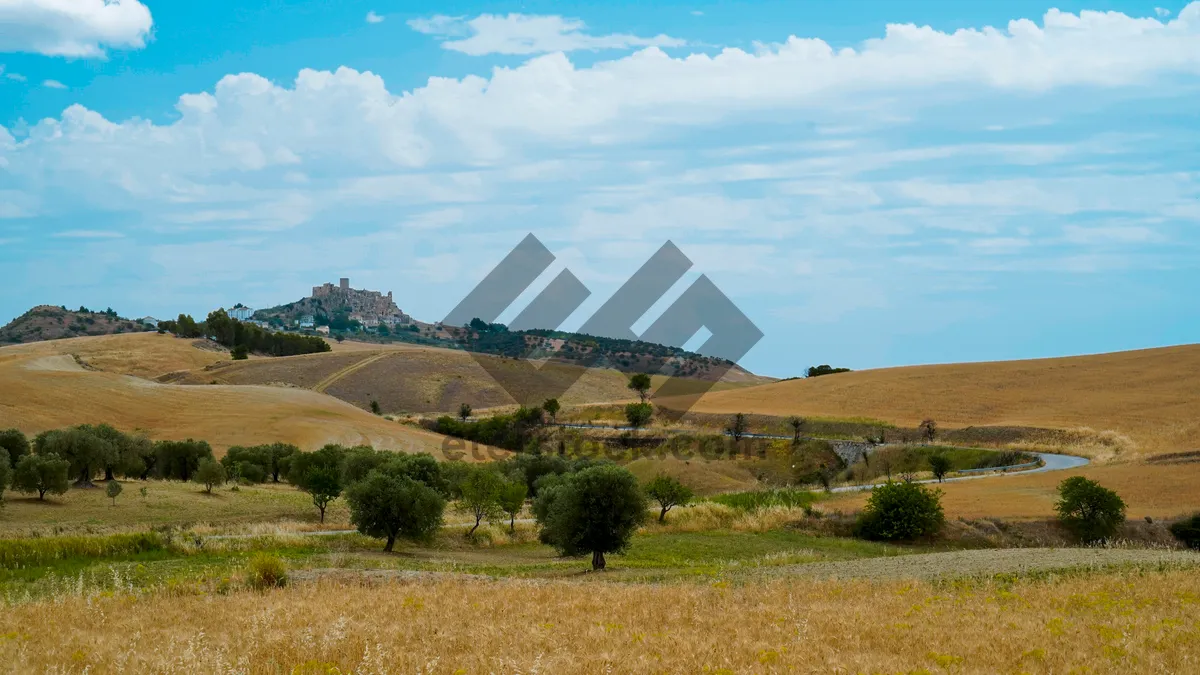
(53, 84)
(73, 28)
(526, 34)
(1162, 12)
(372, 17)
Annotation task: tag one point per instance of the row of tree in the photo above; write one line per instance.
(244, 337)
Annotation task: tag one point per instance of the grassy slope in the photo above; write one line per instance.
(1149, 395)
(51, 390)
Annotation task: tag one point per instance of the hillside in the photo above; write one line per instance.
(413, 379)
(1150, 395)
(55, 384)
(47, 322)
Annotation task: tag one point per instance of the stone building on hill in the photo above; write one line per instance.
(368, 307)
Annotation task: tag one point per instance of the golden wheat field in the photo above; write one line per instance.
(1157, 491)
(1149, 394)
(1140, 622)
(46, 387)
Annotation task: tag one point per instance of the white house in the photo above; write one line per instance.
(148, 321)
(307, 321)
(323, 330)
(241, 313)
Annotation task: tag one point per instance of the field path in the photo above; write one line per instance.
(324, 384)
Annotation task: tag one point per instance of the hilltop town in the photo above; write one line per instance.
(336, 308)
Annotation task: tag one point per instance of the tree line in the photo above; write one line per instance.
(243, 337)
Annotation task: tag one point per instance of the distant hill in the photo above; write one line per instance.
(47, 322)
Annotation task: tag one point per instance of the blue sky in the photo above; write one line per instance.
(873, 183)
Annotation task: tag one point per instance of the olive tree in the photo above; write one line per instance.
(210, 473)
(388, 506)
(640, 382)
(512, 499)
(481, 495)
(940, 465)
(113, 489)
(41, 474)
(319, 474)
(668, 492)
(15, 443)
(596, 510)
(85, 451)
(1090, 510)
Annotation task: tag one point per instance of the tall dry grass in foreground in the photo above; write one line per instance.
(1147, 623)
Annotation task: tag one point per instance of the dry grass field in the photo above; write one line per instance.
(1150, 395)
(1114, 622)
(1156, 490)
(45, 387)
(415, 379)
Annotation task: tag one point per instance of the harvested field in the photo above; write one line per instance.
(147, 355)
(1100, 623)
(989, 562)
(1154, 490)
(46, 391)
(1148, 395)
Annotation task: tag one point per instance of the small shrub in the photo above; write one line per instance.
(210, 474)
(113, 489)
(266, 571)
(901, 512)
(1187, 531)
(761, 499)
(1088, 509)
(240, 353)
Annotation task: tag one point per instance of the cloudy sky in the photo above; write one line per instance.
(873, 182)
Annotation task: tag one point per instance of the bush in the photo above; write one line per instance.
(1089, 510)
(638, 415)
(1188, 531)
(266, 571)
(901, 512)
(240, 352)
(113, 490)
(760, 499)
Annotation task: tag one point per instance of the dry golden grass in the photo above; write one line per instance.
(45, 388)
(1100, 623)
(1148, 394)
(1158, 491)
(147, 355)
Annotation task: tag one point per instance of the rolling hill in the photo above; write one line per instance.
(103, 379)
(1151, 395)
(47, 322)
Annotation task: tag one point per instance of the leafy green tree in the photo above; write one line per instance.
(638, 414)
(390, 506)
(901, 512)
(15, 443)
(375, 407)
(240, 352)
(596, 510)
(1090, 510)
(179, 460)
(41, 473)
(940, 465)
(464, 411)
(319, 474)
(1187, 531)
(668, 492)
(421, 467)
(738, 426)
(640, 382)
(481, 495)
(454, 474)
(113, 489)
(85, 451)
(210, 474)
(552, 406)
(359, 461)
(512, 499)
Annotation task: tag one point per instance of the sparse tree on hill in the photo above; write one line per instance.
(210, 474)
(512, 499)
(551, 406)
(596, 510)
(797, 423)
(113, 489)
(928, 430)
(375, 407)
(640, 382)
(638, 414)
(239, 352)
(464, 411)
(388, 506)
(481, 495)
(15, 443)
(940, 465)
(41, 473)
(668, 492)
(738, 426)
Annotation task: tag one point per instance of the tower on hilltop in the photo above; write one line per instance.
(345, 283)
